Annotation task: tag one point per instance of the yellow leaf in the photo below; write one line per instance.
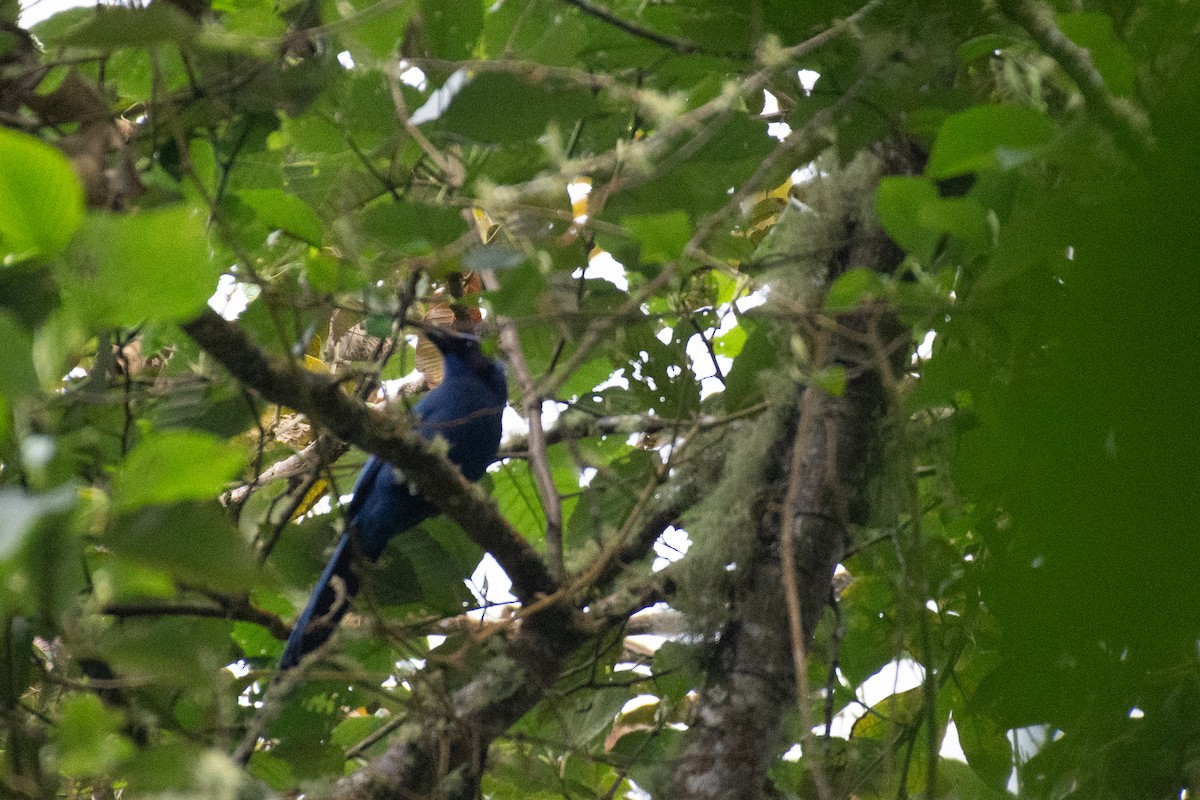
(314, 494)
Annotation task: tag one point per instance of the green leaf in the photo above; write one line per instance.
(87, 739)
(758, 354)
(988, 750)
(175, 465)
(161, 767)
(29, 292)
(180, 652)
(17, 375)
(662, 236)
(988, 138)
(502, 108)
(41, 201)
(866, 647)
(451, 27)
(250, 17)
(411, 228)
(890, 715)
(1094, 31)
(853, 287)
(271, 770)
(255, 642)
(964, 783)
(516, 493)
(831, 379)
(114, 27)
(678, 669)
(54, 30)
(381, 33)
(285, 212)
(918, 219)
(204, 165)
(431, 573)
(519, 293)
(194, 543)
(898, 202)
(322, 271)
(353, 730)
(730, 344)
(123, 270)
(962, 217)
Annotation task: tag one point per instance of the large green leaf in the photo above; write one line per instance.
(175, 465)
(1094, 30)
(17, 375)
(125, 269)
(88, 740)
(41, 201)
(194, 543)
(451, 27)
(498, 107)
(114, 27)
(411, 228)
(918, 218)
(987, 138)
(662, 236)
(285, 212)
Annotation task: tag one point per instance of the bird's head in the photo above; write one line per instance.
(463, 353)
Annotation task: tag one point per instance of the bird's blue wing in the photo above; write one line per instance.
(366, 478)
(466, 412)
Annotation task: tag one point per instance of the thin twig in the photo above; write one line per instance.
(234, 608)
(539, 462)
(678, 45)
(272, 703)
(452, 171)
(570, 428)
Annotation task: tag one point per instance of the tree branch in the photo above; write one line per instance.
(443, 757)
(681, 46)
(758, 666)
(539, 462)
(232, 608)
(1124, 120)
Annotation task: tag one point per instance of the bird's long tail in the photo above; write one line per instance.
(330, 599)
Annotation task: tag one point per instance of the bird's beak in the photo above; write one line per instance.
(442, 336)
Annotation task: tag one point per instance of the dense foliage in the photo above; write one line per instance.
(1012, 504)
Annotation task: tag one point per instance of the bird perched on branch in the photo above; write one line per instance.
(464, 410)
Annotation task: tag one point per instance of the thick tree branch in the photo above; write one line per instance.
(443, 757)
(321, 449)
(322, 400)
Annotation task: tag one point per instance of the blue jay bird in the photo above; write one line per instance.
(464, 410)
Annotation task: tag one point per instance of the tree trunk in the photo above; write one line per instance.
(736, 734)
